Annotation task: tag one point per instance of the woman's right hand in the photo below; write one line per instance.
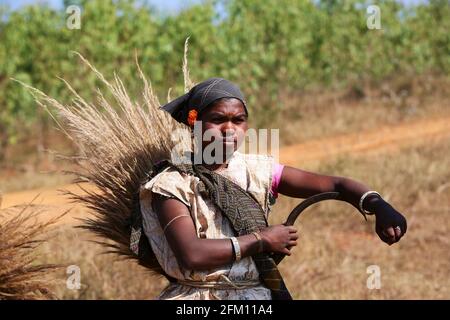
(279, 238)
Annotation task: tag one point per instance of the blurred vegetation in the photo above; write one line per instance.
(267, 47)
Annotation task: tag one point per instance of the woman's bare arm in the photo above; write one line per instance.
(299, 183)
(194, 253)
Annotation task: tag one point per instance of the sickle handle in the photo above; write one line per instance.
(295, 213)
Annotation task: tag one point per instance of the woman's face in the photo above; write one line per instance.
(225, 121)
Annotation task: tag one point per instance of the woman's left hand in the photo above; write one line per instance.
(390, 225)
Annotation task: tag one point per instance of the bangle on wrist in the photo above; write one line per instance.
(260, 241)
(237, 248)
(361, 201)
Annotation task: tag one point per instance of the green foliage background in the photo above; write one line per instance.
(264, 46)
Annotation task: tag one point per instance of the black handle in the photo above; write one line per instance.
(295, 213)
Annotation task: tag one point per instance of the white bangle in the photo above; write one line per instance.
(237, 248)
(362, 200)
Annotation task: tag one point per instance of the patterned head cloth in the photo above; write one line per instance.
(201, 96)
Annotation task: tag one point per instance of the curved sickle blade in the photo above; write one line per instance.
(295, 213)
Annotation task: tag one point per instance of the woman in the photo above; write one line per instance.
(209, 252)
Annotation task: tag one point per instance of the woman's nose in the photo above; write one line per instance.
(227, 126)
(228, 129)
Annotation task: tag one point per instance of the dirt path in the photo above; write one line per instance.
(384, 139)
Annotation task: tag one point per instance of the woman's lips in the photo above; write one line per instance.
(226, 141)
(229, 141)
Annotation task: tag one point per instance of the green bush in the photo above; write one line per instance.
(265, 46)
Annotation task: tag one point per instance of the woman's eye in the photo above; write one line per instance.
(216, 120)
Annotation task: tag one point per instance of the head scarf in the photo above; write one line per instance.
(201, 96)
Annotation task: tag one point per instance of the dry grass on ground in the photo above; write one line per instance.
(323, 113)
(21, 234)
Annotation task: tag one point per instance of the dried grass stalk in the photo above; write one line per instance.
(21, 234)
(118, 146)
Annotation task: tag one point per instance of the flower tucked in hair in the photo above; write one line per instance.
(192, 116)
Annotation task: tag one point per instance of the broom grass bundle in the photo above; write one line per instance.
(118, 144)
(21, 234)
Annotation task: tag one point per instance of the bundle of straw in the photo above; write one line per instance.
(20, 235)
(117, 149)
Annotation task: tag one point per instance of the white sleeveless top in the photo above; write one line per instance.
(254, 174)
